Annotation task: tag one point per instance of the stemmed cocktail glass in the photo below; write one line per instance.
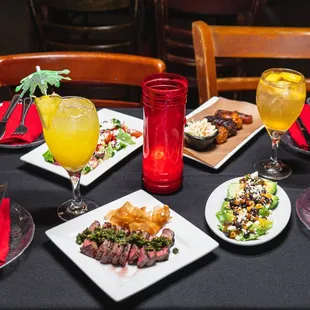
(280, 97)
(71, 131)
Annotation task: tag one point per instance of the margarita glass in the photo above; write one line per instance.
(71, 131)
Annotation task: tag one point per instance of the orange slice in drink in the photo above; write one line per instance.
(273, 77)
(47, 107)
(291, 77)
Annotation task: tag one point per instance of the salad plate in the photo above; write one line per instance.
(123, 282)
(36, 158)
(278, 215)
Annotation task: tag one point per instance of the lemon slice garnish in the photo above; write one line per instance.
(47, 107)
(291, 77)
(273, 77)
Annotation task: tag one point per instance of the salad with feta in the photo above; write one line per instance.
(114, 136)
(246, 213)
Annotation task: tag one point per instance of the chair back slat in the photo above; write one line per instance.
(89, 68)
(211, 42)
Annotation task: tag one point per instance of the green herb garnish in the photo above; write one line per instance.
(175, 251)
(119, 236)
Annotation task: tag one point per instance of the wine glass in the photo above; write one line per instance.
(280, 97)
(71, 131)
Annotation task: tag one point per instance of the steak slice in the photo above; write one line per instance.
(116, 258)
(125, 254)
(168, 233)
(143, 258)
(133, 255)
(106, 254)
(163, 254)
(89, 248)
(94, 225)
(152, 256)
(102, 249)
(113, 252)
(106, 225)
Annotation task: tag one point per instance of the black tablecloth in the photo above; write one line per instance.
(273, 275)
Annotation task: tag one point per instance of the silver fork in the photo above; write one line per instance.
(22, 129)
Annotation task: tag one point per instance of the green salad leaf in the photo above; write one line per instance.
(125, 137)
(48, 157)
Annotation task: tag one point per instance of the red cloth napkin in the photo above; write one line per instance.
(32, 122)
(5, 227)
(296, 133)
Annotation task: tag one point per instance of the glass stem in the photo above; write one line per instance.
(274, 151)
(77, 206)
(274, 164)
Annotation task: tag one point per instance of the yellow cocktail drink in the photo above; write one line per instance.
(72, 134)
(280, 98)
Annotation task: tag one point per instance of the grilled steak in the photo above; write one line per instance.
(101, 249)
(106, 254)
(168, 233)
(113, 252)
(143, 258)
(89, 248)
(124, 256)
(163, 254)
(109, 245)
(152, 256)
(133, 255)
(94, 225)
(106, 225)
(116, 258)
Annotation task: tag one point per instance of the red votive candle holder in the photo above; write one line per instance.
(164, 101)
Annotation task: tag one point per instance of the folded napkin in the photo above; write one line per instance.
(295, 131)
(5, 226)
(32, 122)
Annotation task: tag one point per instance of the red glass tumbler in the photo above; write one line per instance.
(164, 102)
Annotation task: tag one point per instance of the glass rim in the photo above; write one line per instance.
(275, 84)
(164, 76)
(83, 98)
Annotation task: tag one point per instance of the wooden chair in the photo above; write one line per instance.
(174, 36)
(86, 68)
(211, 42)
(87, 25)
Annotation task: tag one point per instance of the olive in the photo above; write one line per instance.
(246, 234)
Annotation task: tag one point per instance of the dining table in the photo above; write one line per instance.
(273, 275)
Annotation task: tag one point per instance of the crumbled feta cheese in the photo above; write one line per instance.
(256, 222)
(254, 175)
(107, 125)
(248, 224)
(231, 227)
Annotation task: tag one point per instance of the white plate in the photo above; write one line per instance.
(208, 104)
(118, 282)
(35, 157)
(281, 214)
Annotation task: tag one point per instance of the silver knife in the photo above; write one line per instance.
(3, 188)
(7, 114)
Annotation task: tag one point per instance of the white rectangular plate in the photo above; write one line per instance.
(208, 104)
(35, 157)
(118, 282)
